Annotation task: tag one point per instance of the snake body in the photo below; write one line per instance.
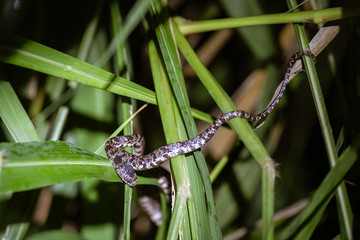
(125, 163)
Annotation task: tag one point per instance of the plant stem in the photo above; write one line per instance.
(316, 16)
(344, 209)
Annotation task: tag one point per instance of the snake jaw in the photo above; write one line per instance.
(127, 174)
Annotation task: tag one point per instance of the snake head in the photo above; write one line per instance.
(127, 174)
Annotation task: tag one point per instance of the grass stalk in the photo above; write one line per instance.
(195, 216)
(197, 171)
(21, 129)
(315, 16)
(344, 209)
(14, 116)
(326, 188)
(268, 202)
(126, 105)
(166, 106)
(133, 18)
(59, 123)
(240, 126)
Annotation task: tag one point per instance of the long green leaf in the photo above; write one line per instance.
(37, 164)
(167, 112)
(29, 54)
(309, 228)
(241, 127)
(16, 120)
(127, 105)
(326, 188)
(169, 53)
(135, 15)
(19, 126)
(316, 16)
(33, 165)
(196, 203)
(342, 199)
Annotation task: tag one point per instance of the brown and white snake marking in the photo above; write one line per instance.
(125, 163)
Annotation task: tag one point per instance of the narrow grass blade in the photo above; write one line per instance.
(21, 129)
(25, 53)
(218, 168)
(100, 150)
(316, 16)
(59, 123)
(241, 127)
(12, 113)
(326, 188)
(134, 16)
(309, 228)
(89, 33)
(196, 204)
(127, 212)
(343, 203)
(125, 104)
(181, 210)
(33, 165)
(258, 39)
(172, 134)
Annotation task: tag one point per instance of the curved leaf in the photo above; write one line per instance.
(32, 55)
(33, 165)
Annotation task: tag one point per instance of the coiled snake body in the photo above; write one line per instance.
(125, 163)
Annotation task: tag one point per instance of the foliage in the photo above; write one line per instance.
(71, 78)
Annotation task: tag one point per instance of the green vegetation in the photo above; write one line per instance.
(71, 78)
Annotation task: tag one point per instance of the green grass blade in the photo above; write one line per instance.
(32, 165)
(18, 232)
(25, 53)
(343, 203)
(196, 205)
(309, 228)
(161, 232)
(172, 134)
(134, 16)
(13, 115)
(326, 188)
(89, 33)
(315, 16)
(21, 129)
(126, 105)
(252, 36)
(218, 168)
(15, 218)
(59, 123)
(37, 164)
(127, 211)
(100, 150)
(172, 63)
(181, 212)
(241, 127)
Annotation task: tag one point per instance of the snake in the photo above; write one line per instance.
(126, 164)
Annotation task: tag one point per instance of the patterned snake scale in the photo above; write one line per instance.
(125, 163)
